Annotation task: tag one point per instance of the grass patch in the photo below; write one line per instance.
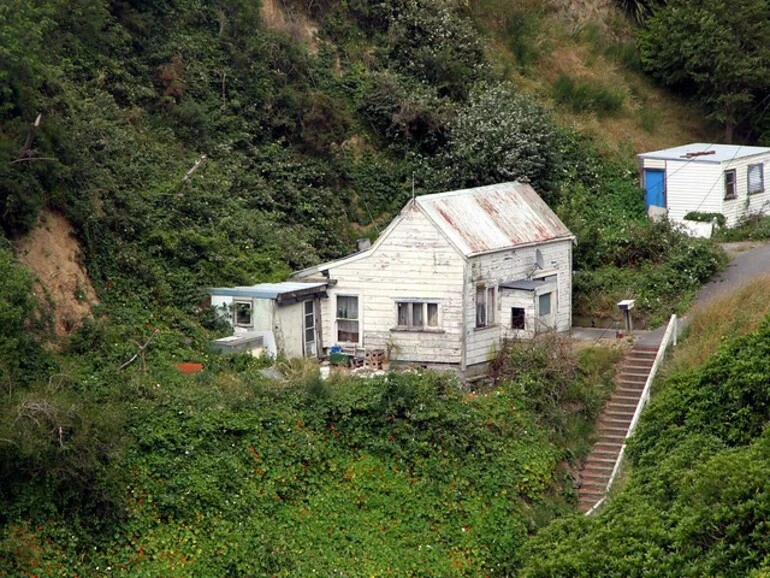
(722, 318)
(584, 96)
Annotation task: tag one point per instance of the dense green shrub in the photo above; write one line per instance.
(501, 135)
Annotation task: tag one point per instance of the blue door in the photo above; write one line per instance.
(654, 186)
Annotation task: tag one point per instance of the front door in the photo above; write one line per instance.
(311, 333)
(654, 187)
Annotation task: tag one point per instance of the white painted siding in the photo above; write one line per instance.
(508, 265)
(289, 324)
(261, 311)
(653, 164)
(415, 261)
(692, 186)
(746, 204)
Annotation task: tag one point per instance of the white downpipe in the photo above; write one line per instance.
(643, 399)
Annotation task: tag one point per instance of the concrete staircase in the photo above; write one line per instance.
(613, 425)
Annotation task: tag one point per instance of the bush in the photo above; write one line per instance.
(500, 136)
(706, 217)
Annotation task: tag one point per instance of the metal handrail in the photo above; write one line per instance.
(643, 399)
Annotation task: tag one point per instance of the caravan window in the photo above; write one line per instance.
(756, 178)
(730, 185)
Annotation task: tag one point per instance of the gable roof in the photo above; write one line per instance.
(475, 221)
(492, 218)
(705, 153)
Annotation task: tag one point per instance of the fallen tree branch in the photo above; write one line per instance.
(30, 159)
(139, 353)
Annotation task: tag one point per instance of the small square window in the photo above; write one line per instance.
(518, 318)
(730, 192)
(242, 316)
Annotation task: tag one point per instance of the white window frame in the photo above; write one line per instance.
(730, 185)
(247, 303)
(759, 187)
(340, 318)
(486, 305)
(412, 323)
(523, 311)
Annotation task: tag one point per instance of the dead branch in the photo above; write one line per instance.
(139, 353)
(36, 409)
(31, 159)
(198, 164)
(26, 149)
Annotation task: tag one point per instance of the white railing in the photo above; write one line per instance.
(670, 334)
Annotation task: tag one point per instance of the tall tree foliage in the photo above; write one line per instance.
(714, 49)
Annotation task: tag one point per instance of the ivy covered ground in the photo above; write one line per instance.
(229, 473)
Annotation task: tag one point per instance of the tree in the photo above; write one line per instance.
(502, 136)
(716, 49)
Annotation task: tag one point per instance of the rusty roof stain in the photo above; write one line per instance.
(493, 218)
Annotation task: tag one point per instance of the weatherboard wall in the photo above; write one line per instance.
(493, 269)
(415, 262)
(698, 185)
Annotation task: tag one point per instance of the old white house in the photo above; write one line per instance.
(450, 277)
(706, 178)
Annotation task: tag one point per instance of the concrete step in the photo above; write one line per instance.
(628, 376)
(608, 446)
(619, 410)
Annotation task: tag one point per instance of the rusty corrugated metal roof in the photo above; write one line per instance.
(494, 217)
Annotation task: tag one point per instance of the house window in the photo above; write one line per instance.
(517, 318)
(485, 306)
(417, 314)
(756, 178)
(544, 304)
(347, 319)
(242, 314)
(730, 184)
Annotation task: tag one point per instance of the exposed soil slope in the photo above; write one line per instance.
(51, 251)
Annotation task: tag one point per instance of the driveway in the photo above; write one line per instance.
(747, 260)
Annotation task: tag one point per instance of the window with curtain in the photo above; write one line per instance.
(756, 178)
(347, 319)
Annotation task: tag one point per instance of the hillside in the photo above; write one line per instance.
(180, 145)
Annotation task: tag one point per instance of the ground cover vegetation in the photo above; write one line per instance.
(695, 501)
(196, 144)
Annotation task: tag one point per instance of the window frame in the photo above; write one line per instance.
(761, 168)
(424, 307)
(237, 303)
(339, 317)
(485, 306)
(540, 313)
(517, 312)
(730, 189)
